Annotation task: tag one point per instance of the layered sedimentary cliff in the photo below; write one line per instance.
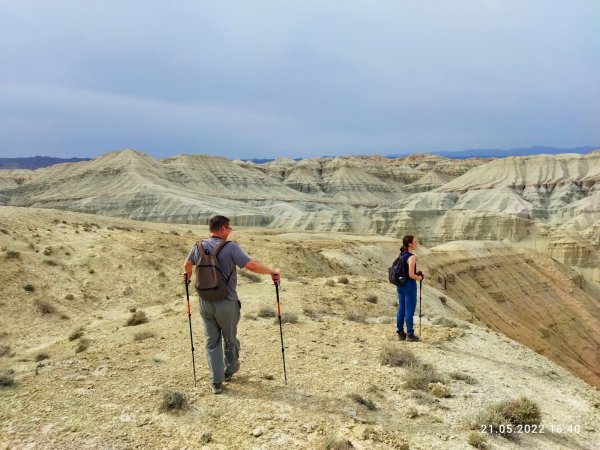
(547, 202)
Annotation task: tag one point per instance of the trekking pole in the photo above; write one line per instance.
(187, 294)
(420, 303)
(280, 330)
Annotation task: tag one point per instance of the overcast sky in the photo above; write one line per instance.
(303, 78)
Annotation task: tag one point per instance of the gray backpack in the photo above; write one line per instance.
(210, 280)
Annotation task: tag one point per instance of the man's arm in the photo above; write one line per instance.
(187, 270)
(256, 267)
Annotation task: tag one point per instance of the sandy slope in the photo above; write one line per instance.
(109, 395)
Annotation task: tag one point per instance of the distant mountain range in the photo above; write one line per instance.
(36, 162)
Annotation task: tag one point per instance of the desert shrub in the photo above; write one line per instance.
(41, 356)
(48, 251)
(339, 444)
(439, 390)
(266, 312)
(311, 313)
(69, 297)
(443, 299)
(371, 298)
(419, 376)
(363, 401)
(82, 345)
(355, 316)
(136, 318)
(330, 283)
(423, 398)
(7, 378)
(173, 400)
(343, 280)
(143, 335)
(45, 308)
(132, 310)
(50, 262)
(500, 417)
(12, 254)
(252, 277)
(443, 321)
(396, 356)
(76, 334)
(477, 440)
(2, 230)
(29, 287)
(4, 350)
(91, 271)
(288, 317)
(463, 377)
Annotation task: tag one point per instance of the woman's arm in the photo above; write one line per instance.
(412, 262)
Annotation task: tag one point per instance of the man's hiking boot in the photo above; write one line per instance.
(217, 388)
(401, 335)
(229, 376)
(412, 337)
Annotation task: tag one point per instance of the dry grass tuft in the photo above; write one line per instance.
(372, 298)
(266, 312)
(477, 440)
(45, 308)
(136, 318)
(41, 356)
(330, 283)
(173, 400)
(419, 376)
(76, 334)
(7, 378)
(363, 401)
(463, 377)
(355, 316)
(502, 417)
(343, 280)
(396, 356)
(142, 335)
(288, 317)
(82, 345)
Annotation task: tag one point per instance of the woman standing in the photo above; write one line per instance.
(407, 293)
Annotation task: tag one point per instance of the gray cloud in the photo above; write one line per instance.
(298, 78)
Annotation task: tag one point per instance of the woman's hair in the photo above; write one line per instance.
(406, 240)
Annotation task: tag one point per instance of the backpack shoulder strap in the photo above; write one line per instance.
(219, 247)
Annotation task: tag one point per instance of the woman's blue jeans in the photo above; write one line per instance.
(407, 303)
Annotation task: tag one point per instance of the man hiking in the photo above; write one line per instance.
(221, 316)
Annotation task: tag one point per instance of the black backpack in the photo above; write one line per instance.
(398, 272)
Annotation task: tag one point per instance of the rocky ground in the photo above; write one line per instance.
(62, 271)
